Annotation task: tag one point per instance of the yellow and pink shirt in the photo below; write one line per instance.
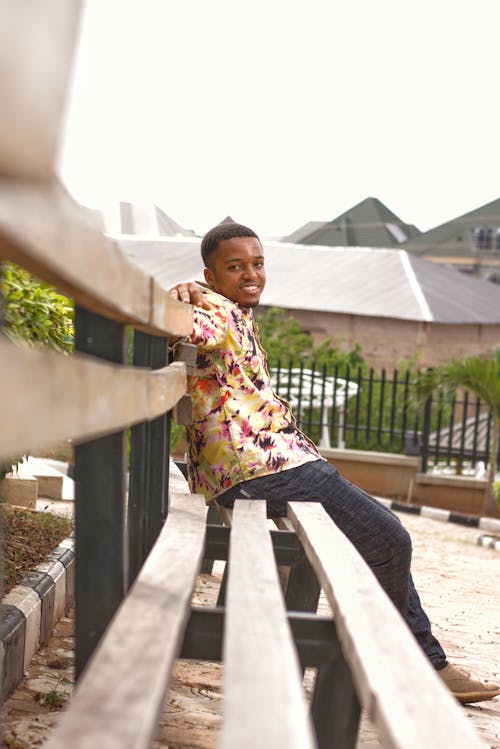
(241, 429)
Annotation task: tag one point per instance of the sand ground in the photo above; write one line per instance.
(459, 585)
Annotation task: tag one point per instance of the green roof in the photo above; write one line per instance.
(368, 224)
(455, 238)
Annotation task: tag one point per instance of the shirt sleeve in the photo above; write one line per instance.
(209, 328)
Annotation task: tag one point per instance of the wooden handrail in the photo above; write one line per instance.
(45, 231)
(78, 397)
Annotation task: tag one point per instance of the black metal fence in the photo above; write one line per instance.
(368, 410)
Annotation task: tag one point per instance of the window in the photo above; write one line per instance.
(486, 239)
(396, 232)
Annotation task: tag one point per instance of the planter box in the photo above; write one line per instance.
(22, 492)
(398, 477)
(458, 493)
(387, 474)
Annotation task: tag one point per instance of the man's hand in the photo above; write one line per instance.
(190, 293)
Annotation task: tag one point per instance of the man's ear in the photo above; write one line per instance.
(209, 278)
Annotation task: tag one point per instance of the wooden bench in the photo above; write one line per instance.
(370, 658)
(263, 646)
(138, 552)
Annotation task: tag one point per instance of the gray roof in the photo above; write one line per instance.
(167, 227)
(455, 238)
(145, 219)
(356, 281)
(304, 231)
(367, 224)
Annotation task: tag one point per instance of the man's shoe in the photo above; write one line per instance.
(465, 687)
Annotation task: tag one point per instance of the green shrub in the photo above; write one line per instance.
(34, 311)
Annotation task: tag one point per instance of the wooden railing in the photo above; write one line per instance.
(47, 396)
(138, 552)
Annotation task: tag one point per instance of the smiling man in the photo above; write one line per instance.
(244, 442)
(241, 429)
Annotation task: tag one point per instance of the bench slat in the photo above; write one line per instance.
(264, 703)
(45, 231)
(396, 685)
(117, 702)
(77, 397)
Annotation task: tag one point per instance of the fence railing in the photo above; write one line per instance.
(93, 396)
(360, 408)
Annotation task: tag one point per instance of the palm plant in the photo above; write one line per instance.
(480, 375)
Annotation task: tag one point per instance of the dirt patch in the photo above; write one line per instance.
(29, 537)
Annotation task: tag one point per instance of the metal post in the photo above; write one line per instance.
(381, 408)
(148, 495)
(358, 401)
(324, 434)
(393, 406)
(369, 406)
(426, 434)
(451, 429)
(405, 409)
(100, 503)
(461, 457)
(334, 402)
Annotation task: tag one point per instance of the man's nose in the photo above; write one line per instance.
(250, 271)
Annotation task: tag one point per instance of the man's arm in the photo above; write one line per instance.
(190, 293)
(210, 321)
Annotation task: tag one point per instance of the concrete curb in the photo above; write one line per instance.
(491, 525)
(31, 609)
(491, 542)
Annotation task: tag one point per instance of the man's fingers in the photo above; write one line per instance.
(190, 293)
(176, 294)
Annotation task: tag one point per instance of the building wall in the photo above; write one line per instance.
(449, 341)
(397, 477)
(386, 342)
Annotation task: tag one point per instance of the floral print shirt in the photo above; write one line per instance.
(241, 429)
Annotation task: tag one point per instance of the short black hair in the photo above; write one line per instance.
(211, 240)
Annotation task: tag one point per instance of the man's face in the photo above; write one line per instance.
(237, 270)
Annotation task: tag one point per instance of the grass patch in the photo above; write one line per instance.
(28, 538)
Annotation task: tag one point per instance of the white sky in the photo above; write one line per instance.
(278, 112)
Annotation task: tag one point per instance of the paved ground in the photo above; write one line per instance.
(457, 580)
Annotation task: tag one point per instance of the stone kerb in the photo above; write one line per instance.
(31, 609)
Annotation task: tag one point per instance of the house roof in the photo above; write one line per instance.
(367, 224)
(455, 238)
(145, 219)
(303, 231)
(167, 227)
(355, 281)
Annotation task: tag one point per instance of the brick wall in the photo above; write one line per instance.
(385, 342)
